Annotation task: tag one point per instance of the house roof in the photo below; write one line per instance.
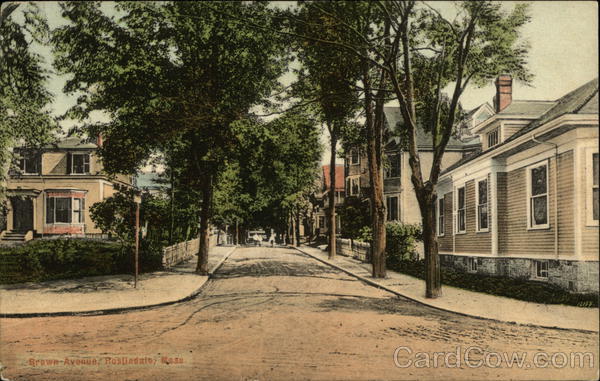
(72, 142)
(424, 139)
(147, 180)
(339, 177)
(527, 108)
(583, 100)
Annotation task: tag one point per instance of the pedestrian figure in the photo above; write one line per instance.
(256, 239)
(272, 239)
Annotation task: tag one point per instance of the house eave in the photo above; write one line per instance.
(562, 124)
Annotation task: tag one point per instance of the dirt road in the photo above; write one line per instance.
(275, 314)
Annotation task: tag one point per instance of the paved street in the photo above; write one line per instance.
(276, 314)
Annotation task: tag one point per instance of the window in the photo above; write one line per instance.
(492, 138)
(339, 196)
(482, 205)
(354, 157)
(322, 222)
(593, 193)
(541, 269)
(392, 208)
(472, 264)
(64, 210)
(461, 212)
(80, 163)
(393, 169)
(538, 196)
(440, 219)
(29, 163)
(353, 186)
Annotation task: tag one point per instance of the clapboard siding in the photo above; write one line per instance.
(471, 241)
(566, 205)
(514, 237)
(501, 178)
(445, 242)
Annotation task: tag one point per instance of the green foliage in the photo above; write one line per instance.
(115, 215)
(23, 95)
(354, 215)
(365, 234)
(42, 260)
(401, 241)
(527, 290)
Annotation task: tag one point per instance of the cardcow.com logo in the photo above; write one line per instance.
(477, 357)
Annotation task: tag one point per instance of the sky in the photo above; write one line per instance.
(564, 53)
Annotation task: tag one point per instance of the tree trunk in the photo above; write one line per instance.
(237, 233)
(298, 228)
(433, 280)
(172, 209)
(331, 210)
(202, 267)
(374, 127)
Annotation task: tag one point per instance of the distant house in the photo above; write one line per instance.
(400, 198)
(149, 182)
(51, 191)
(526, 206)
(322, 198)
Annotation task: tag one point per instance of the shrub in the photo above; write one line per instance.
(401, 241)
(41, 260)
(521, 289)
(365, 234)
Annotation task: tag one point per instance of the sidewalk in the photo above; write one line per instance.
(469, 302)
(111, 292)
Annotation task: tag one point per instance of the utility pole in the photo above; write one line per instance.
(137, 199)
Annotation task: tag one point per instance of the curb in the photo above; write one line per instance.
(120, 310)
(380, 286)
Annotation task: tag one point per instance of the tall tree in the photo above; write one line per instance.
(169, 72)
(24, 117)
(417, 52)
(329, 78)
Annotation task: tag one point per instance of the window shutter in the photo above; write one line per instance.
(81, 217)
(69, 160)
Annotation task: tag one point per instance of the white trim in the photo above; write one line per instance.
(543, 155)
(486, 230)
(589, 175)
(577, 120)
(530, 226)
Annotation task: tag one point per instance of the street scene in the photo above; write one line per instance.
(282, 190)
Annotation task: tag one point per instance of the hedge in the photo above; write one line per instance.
(42, 260)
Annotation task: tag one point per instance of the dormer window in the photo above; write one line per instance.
(29, 164)
(80, 163)
(493, 138)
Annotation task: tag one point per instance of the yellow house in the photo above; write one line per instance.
(53, 188)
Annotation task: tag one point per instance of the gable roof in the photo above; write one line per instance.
(393, 117)
(72, 142)
(583, 100)
(339, 177)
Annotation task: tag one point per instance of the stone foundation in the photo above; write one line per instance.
(575, 276)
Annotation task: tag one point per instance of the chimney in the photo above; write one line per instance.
(99, 140)
(503, 92)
